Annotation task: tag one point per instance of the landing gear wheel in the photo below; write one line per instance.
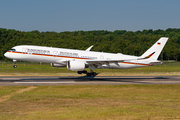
(80, 72)
(91, 74)
(84, 71)
(88, 74)
(15, 66)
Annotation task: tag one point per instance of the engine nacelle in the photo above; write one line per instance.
(57, 65)
(75, 65)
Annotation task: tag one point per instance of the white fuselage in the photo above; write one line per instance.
(61, 56)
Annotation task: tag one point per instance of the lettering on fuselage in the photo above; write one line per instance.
(38, 51)
(47, 52)
(59, 53)
(68, 54)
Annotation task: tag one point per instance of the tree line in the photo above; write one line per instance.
(118, 41)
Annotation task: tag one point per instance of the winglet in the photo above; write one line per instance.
(89, 48)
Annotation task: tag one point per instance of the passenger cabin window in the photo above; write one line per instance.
(12, 50)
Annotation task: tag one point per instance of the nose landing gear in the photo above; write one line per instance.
(15, 66)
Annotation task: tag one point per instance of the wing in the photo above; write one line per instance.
(107, 62)
(115, 61)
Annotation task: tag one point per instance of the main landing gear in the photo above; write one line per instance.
(87, 73)
(15, 66)
(91, 74)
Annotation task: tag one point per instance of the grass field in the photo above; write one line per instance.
(82, 102)
(35, 69)
(97, 102)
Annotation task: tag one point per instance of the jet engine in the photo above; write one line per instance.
(57, 65)
(75, 65)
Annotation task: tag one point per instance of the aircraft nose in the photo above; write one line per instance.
(6, 54)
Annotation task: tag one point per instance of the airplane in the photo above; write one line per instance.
(78, 60)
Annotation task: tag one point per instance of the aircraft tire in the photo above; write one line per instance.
(91, 74)
(88, 74)
(94, 74)
(84, 71)
(15, 66)
(79, 72)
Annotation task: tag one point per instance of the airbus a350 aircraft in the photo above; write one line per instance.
(78, 60)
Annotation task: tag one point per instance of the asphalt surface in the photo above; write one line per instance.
(98, 80)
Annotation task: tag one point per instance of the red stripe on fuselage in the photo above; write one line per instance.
(136, 63)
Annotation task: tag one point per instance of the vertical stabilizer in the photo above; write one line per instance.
(154, 51)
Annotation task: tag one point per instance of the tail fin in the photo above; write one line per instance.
(155, 50)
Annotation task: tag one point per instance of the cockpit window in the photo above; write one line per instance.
(12, 50)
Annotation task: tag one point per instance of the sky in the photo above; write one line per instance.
(88, 15)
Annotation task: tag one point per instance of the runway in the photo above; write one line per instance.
(98, 80)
